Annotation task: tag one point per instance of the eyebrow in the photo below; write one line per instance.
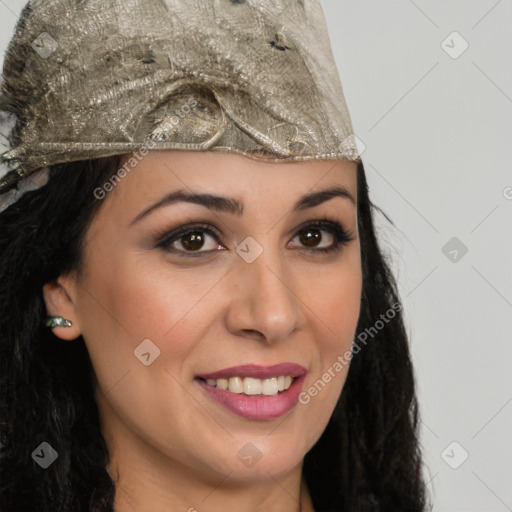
(235, 207)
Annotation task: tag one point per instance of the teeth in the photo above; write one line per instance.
(270, 386)
(252, 386)
(236, 385)
(221, 383)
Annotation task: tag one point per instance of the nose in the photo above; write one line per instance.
(264, 305)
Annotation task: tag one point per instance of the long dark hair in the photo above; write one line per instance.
(367, 459)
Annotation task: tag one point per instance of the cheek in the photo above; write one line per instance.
(335, 307)
(334, 310)
(132, 299)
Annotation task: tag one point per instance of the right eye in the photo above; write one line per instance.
(189, 240)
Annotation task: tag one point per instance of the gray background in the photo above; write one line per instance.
(437, 133)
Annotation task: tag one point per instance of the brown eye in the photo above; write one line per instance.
(193, 240)
(312, 237)
(190, 240)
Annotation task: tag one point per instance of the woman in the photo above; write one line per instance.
(196, 314)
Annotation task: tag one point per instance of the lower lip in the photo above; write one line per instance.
(257, 407)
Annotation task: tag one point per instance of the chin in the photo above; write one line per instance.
(254, 458)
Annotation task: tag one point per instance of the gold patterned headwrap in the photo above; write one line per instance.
(85, 79)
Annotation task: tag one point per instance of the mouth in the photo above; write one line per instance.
(255, 392)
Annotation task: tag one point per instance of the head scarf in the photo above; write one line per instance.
(84, 79)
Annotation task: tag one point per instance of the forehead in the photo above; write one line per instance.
(228, 171)
(256, 186)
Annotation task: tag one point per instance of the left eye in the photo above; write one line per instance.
(312, 236)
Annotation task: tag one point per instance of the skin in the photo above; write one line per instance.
(172, 447)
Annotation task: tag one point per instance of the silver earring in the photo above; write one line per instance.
(57, 321)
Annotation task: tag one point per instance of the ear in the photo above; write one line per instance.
(58, 295)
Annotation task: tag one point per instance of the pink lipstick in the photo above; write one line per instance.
(255, 392)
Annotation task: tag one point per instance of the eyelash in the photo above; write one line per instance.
(165, 239)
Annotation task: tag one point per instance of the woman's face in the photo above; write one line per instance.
(243, 282)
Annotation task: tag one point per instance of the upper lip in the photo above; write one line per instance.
(256, 371)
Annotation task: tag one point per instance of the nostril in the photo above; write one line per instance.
(254, 334)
